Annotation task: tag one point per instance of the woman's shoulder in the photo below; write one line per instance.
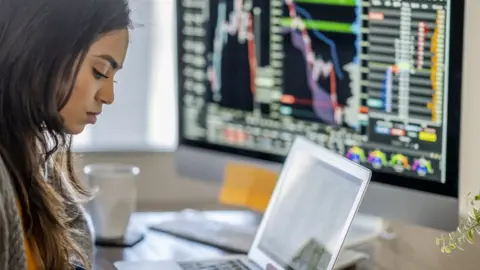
(8, 202)
(7, 193)
(5, 184)
(11, 237)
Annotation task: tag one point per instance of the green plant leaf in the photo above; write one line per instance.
(466, 231)
(476, 213)
(471, 236)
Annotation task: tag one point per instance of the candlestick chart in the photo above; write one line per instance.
(235, 36)
(320, 65)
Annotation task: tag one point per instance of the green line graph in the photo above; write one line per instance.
(321, 25)
(329, 2)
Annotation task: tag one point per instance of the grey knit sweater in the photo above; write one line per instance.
(12, 250)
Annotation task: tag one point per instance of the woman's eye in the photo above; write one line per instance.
(98, 75)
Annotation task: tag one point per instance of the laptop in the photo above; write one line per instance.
(306, 222)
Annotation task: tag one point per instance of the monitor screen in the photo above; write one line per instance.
(301, 230)
(367, 79)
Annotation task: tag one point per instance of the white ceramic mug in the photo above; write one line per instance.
(115, 199)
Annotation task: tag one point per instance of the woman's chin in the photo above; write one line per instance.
(75, 129)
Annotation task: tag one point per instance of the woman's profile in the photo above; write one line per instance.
(58, 59)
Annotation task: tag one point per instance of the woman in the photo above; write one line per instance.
(58, 59)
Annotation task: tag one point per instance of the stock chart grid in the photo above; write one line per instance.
(404, 59)
(364, 78)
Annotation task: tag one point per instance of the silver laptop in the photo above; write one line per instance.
(306, 222)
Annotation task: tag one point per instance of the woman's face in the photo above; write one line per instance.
(94, 85)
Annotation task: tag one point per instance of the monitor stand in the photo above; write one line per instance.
(364, 229)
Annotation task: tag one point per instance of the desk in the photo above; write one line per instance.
(413, 249)
(155, 246)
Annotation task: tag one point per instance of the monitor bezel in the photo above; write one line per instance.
(452, 164)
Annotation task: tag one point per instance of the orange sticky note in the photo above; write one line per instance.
(248, 186)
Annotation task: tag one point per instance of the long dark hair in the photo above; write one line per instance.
(42, 45)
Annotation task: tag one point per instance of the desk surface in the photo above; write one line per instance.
(413, 249)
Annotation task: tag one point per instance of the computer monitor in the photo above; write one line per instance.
(376, 81)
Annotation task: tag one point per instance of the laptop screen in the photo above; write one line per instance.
(311, 210)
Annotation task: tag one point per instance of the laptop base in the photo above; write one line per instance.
(346, 259)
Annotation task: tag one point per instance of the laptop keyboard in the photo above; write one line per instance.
(214, 265)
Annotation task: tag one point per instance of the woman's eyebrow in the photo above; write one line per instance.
(111, 60)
